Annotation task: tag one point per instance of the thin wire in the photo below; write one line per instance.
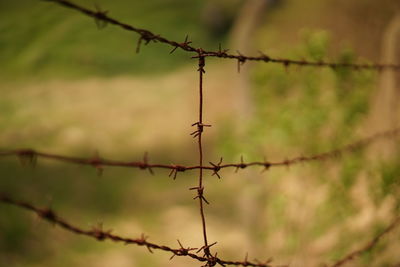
(31, 156)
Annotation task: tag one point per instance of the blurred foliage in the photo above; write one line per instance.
(42, 39)
(390, 182)
(115, 195)
(292, 102)
(309, 111)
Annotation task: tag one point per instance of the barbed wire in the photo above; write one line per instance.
(368, 246)
(30, 156)
(147, 36)
(99, 234)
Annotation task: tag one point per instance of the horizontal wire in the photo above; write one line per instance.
(368, 246)
(30, 156)
(99, 234)
(147, 36)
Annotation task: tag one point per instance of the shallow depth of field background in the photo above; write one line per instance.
(67, 87)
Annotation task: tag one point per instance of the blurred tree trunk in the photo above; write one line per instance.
(386, 102)
(390, 79)
(241, 39)
(251, 200)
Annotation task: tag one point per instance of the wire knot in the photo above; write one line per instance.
(47, 214)
(99, 234)
(212, 261)
(200, 128)
(216, 168)
(184, 45)
(176, 169)
(264, 57)
(286, 64)
(200, 193)
(267, 165)
(100, 17)
(97, 162)
(241, 60)
(182, 251)
(147, 37)
(241, 165)
(142, 241)
(27, 156)
(202, 60)
(145, 164)
(207, 253)
(221, 52)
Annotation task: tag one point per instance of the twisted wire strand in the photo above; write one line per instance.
(31, 156)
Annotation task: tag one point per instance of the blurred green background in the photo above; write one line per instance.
(70, 88)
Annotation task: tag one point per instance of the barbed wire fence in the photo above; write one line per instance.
(204, 254)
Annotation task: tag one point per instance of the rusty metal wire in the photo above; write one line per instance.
(147, 36)
(99, 234)
(368, 246)
(30, 156)
(336, 153)
(199, 133)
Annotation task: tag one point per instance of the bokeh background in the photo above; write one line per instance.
(70, 88)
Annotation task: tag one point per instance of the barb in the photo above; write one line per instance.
(176, 169)
(217, 168)
(241, 165)
(370, 245)
(30, 156)
(183, 250)
(100, 23)
(145, 164)
(148, 36)
(184, 44)
(100, 235)
(96, 163)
